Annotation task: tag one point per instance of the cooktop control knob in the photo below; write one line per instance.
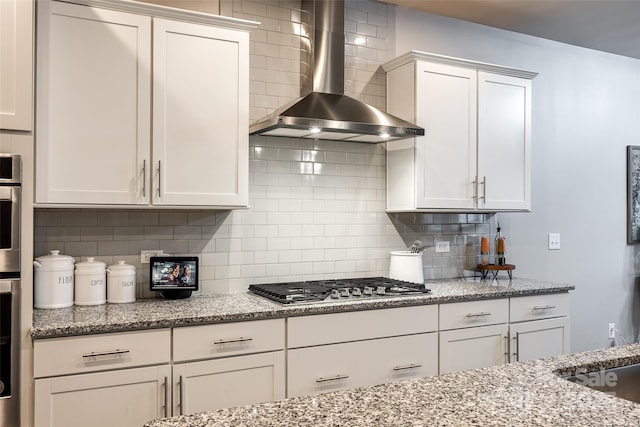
(344, 292)
(356, 292)
(380, 290)
(335, 293)
(367, 290)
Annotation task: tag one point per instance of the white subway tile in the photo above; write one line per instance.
(278, 243)
(301, 268)
(265, 257)
(289, 256)
(254, 244)
(236, 258)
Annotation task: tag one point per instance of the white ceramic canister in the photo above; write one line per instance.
(53, 281)
(90, 282)
(406, 266)
(121, 283)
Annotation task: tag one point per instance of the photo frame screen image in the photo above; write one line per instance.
(173, 273)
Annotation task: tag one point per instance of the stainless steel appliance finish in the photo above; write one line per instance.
(10, 174)
(9, 352)
(622, 382)
(337, 290)
(326, 113)
(10, 180)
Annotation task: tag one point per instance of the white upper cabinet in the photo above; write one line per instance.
(118, 128)
(16, 64)
(200, 104)
(476, 152)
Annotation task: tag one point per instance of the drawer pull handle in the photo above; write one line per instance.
(106, 353)
(233, 340)
(481, 314)
(543, 307)
(410, 366)
(336, 377)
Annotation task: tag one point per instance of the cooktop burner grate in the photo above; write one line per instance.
(336, 289)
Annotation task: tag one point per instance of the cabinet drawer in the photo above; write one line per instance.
(539, 307)
(227, 339)
(474, 313)
(326, 368)
(361, 325)
(57, 356)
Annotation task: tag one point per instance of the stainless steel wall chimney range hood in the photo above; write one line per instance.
(325, 112)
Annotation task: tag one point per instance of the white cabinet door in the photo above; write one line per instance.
(200, 122)
(504, 142)
(446, 155)
(16, 64)
(472, 348)
(128, 397)
(93, 110)
(227, 382)
(321, 369)
(540, 338)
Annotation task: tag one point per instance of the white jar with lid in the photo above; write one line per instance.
(53, 281)
(121, 283)
(90, 282)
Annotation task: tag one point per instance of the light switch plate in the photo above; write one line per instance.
(554, 241)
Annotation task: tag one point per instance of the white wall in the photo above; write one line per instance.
(586, 110)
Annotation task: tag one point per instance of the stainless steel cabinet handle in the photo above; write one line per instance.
(106, 353)
(543, 307)
(506, 347)
(517, 347)
(481, 314)
(475, 188)
(183, 395)
(166, 396)
(336, 377)
(144, 178)
(409, 366)
(233, 340)
(159, 177)
(484, 189)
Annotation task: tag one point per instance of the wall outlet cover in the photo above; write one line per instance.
(442, 246)
(554, 241)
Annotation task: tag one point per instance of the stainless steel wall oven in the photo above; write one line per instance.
(10, 191)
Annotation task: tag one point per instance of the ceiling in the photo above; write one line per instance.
(607, 25)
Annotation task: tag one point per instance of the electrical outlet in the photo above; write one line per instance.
(442, 246)
(146, 255)
(612, 331)
(554, 241)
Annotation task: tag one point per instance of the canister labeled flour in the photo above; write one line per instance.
(121, 283)
(90, 282)
(53, 281)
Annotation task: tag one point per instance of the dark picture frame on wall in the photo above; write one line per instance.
(633, 194)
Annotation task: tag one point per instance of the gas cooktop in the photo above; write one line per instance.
(336, 290)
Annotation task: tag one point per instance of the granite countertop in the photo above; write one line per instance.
(517, 394)
(203, 309)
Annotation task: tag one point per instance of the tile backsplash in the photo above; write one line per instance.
(317, 211)
(317, 207)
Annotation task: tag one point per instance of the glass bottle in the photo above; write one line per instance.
(500, 247)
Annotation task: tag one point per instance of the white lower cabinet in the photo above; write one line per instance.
(127, 397)
(539, 326)
(337, 351)
(472, 348)
(229, 364)
(321, 369)
(102, 380)
(223, 383)
(478, 334)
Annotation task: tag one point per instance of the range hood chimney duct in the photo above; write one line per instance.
(324, 112)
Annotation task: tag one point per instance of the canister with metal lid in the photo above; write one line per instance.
(53, 281)
(121, 283)
(90, 282)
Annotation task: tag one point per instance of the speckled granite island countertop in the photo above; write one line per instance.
(203, 309)
(517, 394)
